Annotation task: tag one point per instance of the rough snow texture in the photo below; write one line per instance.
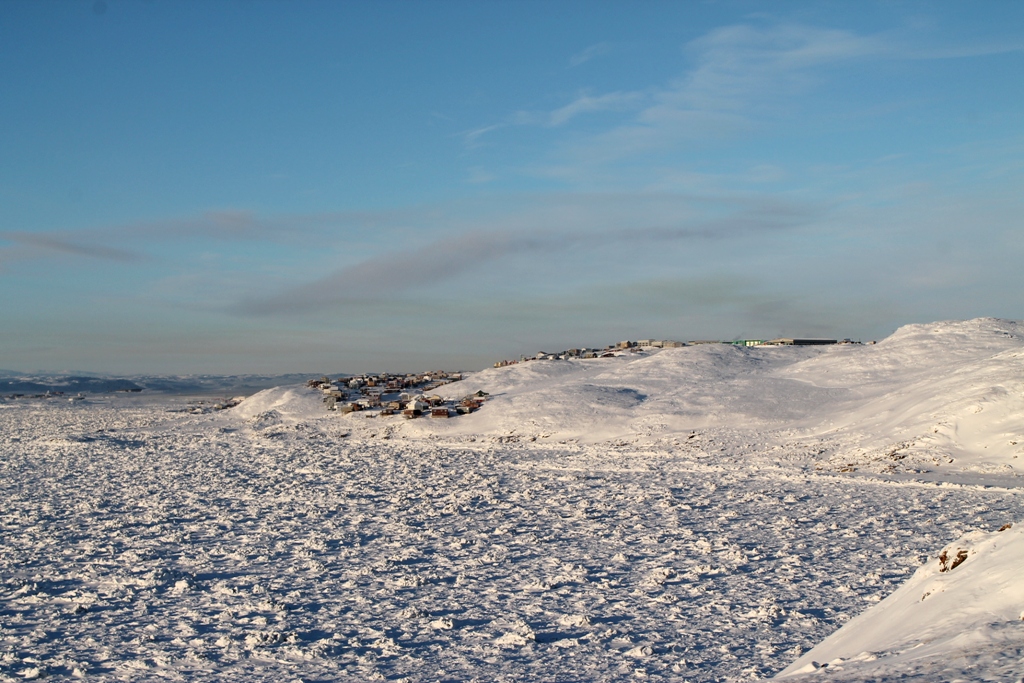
(679, 516)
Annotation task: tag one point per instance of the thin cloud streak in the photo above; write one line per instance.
(237, 226)
(586, 104)
(314, 230)
(736, 64)
(448, 258)
(737, 70)
(50, 243)
(734, 68)
(585, 55)
(471, 138)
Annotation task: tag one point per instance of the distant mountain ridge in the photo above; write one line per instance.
(39, 383)
(70, 384)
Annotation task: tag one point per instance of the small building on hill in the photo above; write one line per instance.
(786, 341)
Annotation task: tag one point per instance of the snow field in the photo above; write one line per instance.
(200, 548)
(700, 514)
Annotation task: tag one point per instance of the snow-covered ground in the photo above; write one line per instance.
(704, 513)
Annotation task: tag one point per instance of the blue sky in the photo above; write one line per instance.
(318, 186)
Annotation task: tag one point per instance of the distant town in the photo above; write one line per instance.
(406, 395)
(619, 348)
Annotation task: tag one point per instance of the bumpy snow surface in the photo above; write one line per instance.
(704, 513)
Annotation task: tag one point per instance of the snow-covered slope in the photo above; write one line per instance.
(671, 391)
(945, 394)
(937, 394)
(295, 402)
(966, 603)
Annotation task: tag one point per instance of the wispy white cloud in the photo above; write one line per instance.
(738, 72)
(479, 175)
(585, 104)
(737, 64)
(739, 76)
(585, 55)
(472, 137)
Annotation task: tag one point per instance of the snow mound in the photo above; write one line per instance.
(296, 402)
(911, 353)
(928, 396)
(670, 391)
(967, 600)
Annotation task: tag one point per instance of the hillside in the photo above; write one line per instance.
(939, 396)
(940, 401)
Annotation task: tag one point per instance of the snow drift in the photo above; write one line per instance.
(292, 403)
(969, 599)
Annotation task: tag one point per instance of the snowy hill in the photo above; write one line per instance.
(289, 402)
(12, 382)
(943, 395)
(22, 384)
(670, 391)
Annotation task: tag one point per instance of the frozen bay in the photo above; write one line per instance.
(187, 549)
